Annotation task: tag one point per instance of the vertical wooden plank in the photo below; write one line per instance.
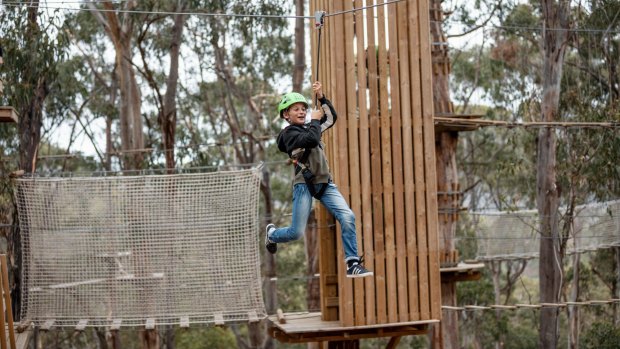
(2, 323)
(7, 299)
(418, 155)
(398, 247)
(408, 158)
(386, 156)
(376, 165)
(329, 69)
(327, 238)
(354, 152)
(364, 143)
(430, 163)
(342, 155)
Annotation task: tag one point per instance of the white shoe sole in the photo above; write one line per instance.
(354, 276)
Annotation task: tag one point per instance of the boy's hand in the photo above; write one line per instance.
(317, 114)
(318, 89)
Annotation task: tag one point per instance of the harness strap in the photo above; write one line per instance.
(306, 173)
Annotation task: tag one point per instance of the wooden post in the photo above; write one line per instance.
(2, 323)
(8, 308)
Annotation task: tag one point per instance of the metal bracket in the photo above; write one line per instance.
(319, 16)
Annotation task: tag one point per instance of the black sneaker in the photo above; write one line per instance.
(271, 246)
(358, 271)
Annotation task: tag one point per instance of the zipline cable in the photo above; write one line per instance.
(171, 13)
(318, 17)
(15, 4)
(362, 8)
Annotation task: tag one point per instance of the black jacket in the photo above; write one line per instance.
(296, 137)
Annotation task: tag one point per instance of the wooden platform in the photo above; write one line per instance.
(7, 114)
(308, 327)
(446, 122)
(21, 339)
(462, 272)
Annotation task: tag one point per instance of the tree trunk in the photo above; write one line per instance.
(447, 178)
(120, 33)
(29, 130)
(149, 339)
(573, 310)
(115, 340)
(168, 116)
(617, 288)
(496, 270)
(100, 333)
(300, 47)
(108, 127)
(269, 266)
(131, 120)
(555, 39)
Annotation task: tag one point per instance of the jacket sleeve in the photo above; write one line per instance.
(294, 137)
(329, 118)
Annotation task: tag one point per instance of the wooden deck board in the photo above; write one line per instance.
(21, 339)
(461, 272)
(308, 327)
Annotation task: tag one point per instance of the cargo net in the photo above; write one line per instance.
(138, 250)
(515, 235)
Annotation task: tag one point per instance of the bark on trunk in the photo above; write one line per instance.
(555, 15)
(132, 140)
(120, 33)
(496, 270)
(29, 130)
(617, 289)
(573, 310)
(149, 339)
(168, 117)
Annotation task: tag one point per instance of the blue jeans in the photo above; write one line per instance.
(335, 204)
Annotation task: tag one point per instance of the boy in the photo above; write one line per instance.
(302, 142)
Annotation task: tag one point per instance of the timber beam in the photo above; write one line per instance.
(461, 272)
(8, 114)
(305, 328)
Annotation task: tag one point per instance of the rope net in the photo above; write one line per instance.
(515, 235)
(167, 249)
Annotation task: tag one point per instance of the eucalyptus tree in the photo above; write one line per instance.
(537, 69)
(242, 61)
(33, 47)
(119, 24)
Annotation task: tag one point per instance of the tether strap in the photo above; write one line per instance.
(309, 176)
(318, 16)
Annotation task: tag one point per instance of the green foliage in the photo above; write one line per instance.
(601, 335)
(31, 53)
(208, 337)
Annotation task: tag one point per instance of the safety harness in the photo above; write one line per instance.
(300, 165)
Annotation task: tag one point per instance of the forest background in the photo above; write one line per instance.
(159, 85)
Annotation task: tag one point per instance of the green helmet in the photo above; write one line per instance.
(290, 99)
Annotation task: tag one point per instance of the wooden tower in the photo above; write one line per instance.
(376, 67)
